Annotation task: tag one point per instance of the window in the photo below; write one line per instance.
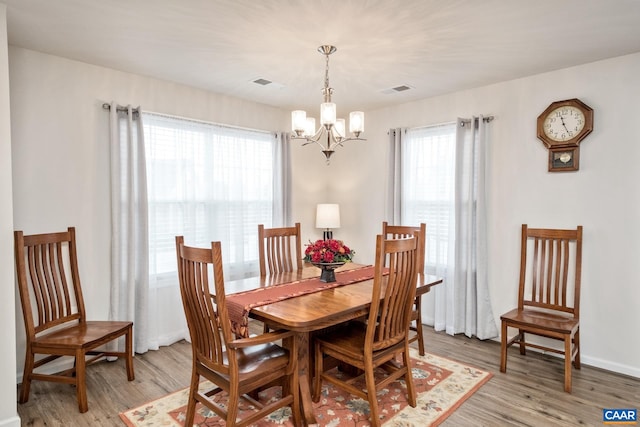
(206, 182)
(428, 180)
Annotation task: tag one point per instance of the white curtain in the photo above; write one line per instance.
(441, 182)
(282, 181)
(129, 228)
(394, 186)
(468, 301)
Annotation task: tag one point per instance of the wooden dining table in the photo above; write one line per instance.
(312, 312)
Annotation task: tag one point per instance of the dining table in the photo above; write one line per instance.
(314, 311)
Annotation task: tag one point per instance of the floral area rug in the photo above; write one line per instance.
(441, 384)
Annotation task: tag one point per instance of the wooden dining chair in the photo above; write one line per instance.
(377, 342)
(279, 249)
(403, 231)
(237, 366)
(548, 295)
(57, 326)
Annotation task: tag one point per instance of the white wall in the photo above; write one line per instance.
(8, 412)
(60, 174)
(602, 196)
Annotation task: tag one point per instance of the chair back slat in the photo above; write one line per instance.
(280, 249)
(48, 278)
(393, 294)
(404, 231)
(208, 323)
(555, 266)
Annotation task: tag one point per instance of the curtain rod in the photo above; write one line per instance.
(486, 119)
(120, 108)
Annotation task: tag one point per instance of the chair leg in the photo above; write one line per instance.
(25, 387)
(576, 344)
(129, 349)
(411, 389)
(374, 413)
(191, 405)
(81, 386)
(523, 347)
(232, 407)
(503, 348)
(567, 363)
(418, 305)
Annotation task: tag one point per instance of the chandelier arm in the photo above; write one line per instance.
(343, 140)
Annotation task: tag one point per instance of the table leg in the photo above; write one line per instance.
(304, 378)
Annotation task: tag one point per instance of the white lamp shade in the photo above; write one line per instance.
(340, 127)
(298, 120)
(328, 215)
(310, 128)
(328, 113)
(356, 121)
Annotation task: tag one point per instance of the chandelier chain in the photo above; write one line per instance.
(327, 91)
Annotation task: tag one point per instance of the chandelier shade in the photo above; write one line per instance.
(332, 130)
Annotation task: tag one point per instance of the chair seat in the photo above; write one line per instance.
(537, 320)
(349, 341)
(263, 358)
(348, 338)
(82, 335)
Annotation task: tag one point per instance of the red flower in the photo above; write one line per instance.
(328, 251)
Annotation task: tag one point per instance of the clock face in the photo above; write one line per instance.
(563, 123)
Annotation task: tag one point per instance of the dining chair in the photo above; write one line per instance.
(279, 249)
(376, 342)
(57, 326)
(548, 295)
(239, 367)
(402, 231)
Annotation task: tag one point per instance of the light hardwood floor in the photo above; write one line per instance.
(529, 394)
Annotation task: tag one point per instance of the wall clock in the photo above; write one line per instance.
(565, 123)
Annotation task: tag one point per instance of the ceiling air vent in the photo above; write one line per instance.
(262, 82)
(400, 88)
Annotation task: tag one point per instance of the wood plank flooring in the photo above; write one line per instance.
(529, 394)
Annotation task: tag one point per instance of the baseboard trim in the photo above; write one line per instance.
(11, 422)
(607, 365)
(594, 362)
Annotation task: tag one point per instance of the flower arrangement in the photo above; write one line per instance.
(326, 251)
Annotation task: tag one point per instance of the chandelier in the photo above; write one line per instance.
(331, 132)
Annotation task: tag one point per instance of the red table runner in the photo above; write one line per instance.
(240, 304)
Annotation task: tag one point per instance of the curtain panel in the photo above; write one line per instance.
(129, 226)
(437, 177)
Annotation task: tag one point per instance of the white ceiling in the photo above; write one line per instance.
(433, 46)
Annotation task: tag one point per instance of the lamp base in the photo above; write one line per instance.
(327, 234)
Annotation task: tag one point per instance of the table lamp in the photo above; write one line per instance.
(328, 217)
